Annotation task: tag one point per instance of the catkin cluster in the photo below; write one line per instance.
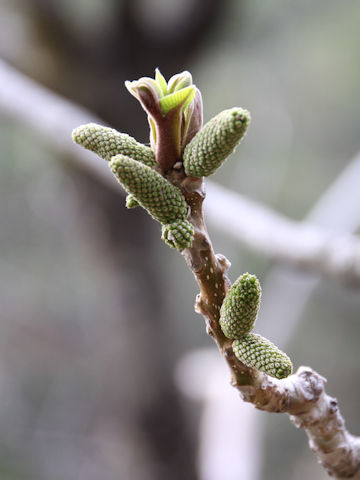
(134, 164)
(174, 111)
(238, 315)
(163, 201)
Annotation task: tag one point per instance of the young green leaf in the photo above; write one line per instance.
(180, 80)
(161, 82)
(180, 97)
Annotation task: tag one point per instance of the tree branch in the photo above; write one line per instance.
(324, 250)
(257, 226)
(301, 395)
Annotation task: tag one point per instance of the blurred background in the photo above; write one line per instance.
(106, 372)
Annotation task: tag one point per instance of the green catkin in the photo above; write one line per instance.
(178, 234)
(257, 352)
(108, 142)
(238, 315)
(159, 197)
(241, 306)
(215, 141)
(162, 200)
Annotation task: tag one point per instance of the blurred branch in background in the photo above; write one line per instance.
(48, 115)
(337, 209)
(325, 248)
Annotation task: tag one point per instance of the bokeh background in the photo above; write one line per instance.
(97, 314)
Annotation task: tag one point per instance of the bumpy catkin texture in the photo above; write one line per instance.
(179, 234)
(107, 143)
(241, 306)
(131, 201)
(257, 352)
(160, 198)
(216, 140)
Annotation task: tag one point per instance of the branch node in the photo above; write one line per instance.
(224, 263)
(209, 330)
(198, 304)
(228, 352)
(333, 405)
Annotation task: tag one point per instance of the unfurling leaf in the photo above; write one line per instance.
(181, 97)
(174, 113)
